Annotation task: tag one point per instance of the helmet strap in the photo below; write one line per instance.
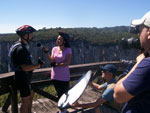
(27, 40)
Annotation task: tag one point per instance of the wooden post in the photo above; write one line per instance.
(14, 100)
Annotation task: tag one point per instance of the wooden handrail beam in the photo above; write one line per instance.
(41, 78)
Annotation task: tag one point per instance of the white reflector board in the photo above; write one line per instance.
(75, 92)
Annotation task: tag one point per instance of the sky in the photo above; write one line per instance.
(69, 13)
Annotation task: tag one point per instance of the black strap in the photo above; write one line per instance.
(11, 62)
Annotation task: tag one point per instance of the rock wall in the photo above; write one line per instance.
(82, 51)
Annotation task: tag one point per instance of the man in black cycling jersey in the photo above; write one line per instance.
(21, 62)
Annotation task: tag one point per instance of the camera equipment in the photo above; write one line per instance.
(40, 61)
(134, 29)
(131, 43)
(40, 45)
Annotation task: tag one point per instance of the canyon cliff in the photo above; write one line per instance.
(83, 52)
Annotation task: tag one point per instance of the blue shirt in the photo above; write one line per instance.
(138, 85)
(108, 93)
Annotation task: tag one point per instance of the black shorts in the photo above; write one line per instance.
(22, 82)
(25, 89)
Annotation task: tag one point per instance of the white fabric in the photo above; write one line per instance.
(144, 20)
(75, 92)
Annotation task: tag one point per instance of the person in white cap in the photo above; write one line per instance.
(134, 88)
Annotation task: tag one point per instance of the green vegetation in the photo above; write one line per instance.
(98, 36)
(49, 89)
(3, 99)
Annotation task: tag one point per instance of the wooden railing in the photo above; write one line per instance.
(41, 78)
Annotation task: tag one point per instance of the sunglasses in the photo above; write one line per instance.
(104, 71)
(137, 29)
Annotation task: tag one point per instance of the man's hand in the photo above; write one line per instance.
(40, 61)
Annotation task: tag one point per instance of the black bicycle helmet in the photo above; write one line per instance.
(64, 35)
(25, 29)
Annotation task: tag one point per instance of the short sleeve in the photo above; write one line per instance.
(21, 56)
(104, 85)
(69, 50)
(108, 94)
(139, 80)
(53, 50)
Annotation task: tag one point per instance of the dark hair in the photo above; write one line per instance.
(66, 38)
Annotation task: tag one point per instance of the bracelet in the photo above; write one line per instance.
(53, 64)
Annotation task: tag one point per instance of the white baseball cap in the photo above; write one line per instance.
(144, 20)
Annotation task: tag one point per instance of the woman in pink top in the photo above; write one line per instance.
(60, 59)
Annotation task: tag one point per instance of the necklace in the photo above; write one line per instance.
(60, 50)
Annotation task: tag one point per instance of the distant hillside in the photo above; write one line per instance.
(98, 36)
(88, 45)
